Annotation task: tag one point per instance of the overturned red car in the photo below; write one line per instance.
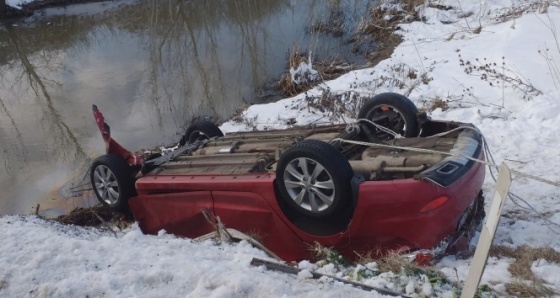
(392, 180)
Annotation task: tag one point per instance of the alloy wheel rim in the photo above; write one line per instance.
(309, 184)
(106, 184)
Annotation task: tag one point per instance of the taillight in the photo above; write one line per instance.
(434, 204)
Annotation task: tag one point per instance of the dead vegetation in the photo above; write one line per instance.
(327, 69)
(334, 25)
(380, 26)
(338, 106)
(335, 106)
(374, 38)
(525, 282)
(518, 10)
(396, 266)
(436, 103)
(286, 85)
(392, 262)
(499, 75)
(385, 17)
(95, 217)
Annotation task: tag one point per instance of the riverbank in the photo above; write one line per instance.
(17, 9)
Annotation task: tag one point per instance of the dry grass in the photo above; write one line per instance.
(527, 284)
(518, 10)
(333, 68)
(319, 252)
(334, 25)
(250, 123)
(380, 28)
(529, 289)
(393, 262)
(499, 75)
(436, 103)
(398, 263)
(328, 69)
(286, 86)
(334, 107)
(383, 22)
(95, 216)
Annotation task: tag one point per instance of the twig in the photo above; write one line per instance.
(315, 275)
(103, 222)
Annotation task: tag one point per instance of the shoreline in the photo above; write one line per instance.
(11, 14)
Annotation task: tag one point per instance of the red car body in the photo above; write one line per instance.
(403, 215)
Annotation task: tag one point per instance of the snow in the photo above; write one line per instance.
(17, 3)
(304, 73)
(498, 73)
(45, 259)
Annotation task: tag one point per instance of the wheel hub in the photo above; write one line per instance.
(106, 185)
(309, 184)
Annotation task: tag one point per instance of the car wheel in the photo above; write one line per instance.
(314, 178)
(393, 111)
(112, 181)
(200, 130)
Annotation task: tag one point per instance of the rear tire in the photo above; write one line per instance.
(314, 179)
(112, 181)
(393, 111)
(200, 130)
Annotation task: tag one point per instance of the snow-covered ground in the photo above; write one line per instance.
(494, 63)
(17, 3)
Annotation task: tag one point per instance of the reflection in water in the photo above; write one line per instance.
(150, 66)
(58, 129)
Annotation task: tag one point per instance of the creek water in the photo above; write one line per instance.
(150, 66)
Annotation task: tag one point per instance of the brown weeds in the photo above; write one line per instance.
(334, 25)
(436, 103)
(380, 27)
(328, 69)
(95, 216)
(527, 284)
(286, 86)
(393, 262)
(335, 106)
(528, 289)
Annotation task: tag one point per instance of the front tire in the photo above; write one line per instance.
(112, 181)
(200, 130)
(314, 179)
(393, 111)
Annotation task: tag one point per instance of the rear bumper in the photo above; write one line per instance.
(389, 214)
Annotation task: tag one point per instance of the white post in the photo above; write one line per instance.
(487, 233)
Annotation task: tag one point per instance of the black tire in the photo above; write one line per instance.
(393, 111)
(112, 181)
(200, 130)
(323, 191)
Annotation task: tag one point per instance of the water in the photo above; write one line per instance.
(150, 66)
